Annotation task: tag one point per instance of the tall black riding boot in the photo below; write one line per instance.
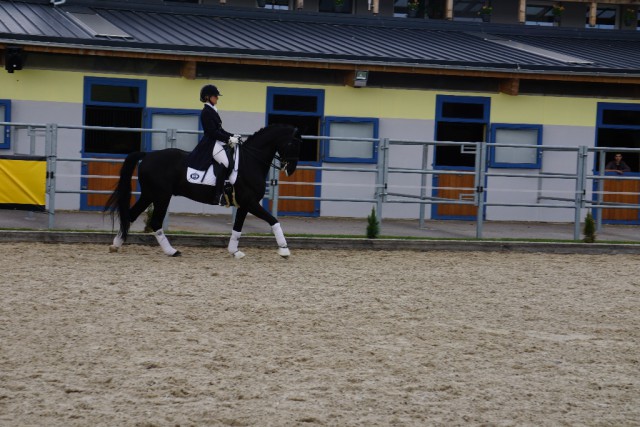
(221, 176)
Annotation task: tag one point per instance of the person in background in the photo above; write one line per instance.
(214, 144)
(617, 165)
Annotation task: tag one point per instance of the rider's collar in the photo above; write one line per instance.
(211, 105)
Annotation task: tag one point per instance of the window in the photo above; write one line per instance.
(460, 119)
(515, 157)
(301, 108)
(113, 103)
(159, 118)
(274, 4)
(355, 150)
(467, 10)
(334, 6)
(5, 131)
(619, 127)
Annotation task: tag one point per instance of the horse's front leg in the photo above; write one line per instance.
(258, 211)
(236, 232)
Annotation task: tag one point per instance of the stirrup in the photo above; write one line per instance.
(228, 196)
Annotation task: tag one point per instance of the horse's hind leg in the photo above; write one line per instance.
(140, 206)
(159, 211)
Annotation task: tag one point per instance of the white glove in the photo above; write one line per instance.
(233, 141)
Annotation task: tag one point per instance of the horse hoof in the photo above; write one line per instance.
(177, 254)
(284, 252)
(238, 254)
(113, 249)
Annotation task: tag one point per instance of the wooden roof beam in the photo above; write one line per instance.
(510, 86)
(188, 70)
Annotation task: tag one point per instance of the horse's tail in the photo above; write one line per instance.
(119, 200)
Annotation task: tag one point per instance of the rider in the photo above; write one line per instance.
(216, 141)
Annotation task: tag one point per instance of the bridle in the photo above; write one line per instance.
(288, 156)
(280, 160)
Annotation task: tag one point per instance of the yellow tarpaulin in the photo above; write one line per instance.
(22, 182)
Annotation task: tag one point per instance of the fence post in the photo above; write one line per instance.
(31, 131)
(172, 138)
(423, 183)
(51, 150)
(274, 190)
(600, 187)
(481, 165)
(581, 190)
(382, 176)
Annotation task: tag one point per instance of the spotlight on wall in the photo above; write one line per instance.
(361, 78)
(13, 59)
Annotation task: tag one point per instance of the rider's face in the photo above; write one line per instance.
(213, 100)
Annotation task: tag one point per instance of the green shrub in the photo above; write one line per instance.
(589, 229)
(373, 226)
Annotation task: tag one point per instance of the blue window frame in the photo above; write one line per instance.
(5, 116)
(115, 92)
(168, 118)
(345, 151)
(310, 102)
(515, 157)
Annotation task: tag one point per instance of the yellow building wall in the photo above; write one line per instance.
(242, 96)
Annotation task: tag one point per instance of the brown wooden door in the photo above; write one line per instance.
(611, 187)
(303, 184)
(105, 184)
(455, 187)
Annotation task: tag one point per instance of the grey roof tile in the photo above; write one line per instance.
(323, 37)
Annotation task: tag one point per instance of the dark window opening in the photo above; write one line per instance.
(623, 138)
(112, 142)
(307, 125)
(335, 7)
(461, 110)
(301, 103)
(453, 155)
(621, 117)
(115, 94)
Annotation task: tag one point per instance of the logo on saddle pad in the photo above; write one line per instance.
(194, 176)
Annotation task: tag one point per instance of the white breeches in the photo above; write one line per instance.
(219, 155)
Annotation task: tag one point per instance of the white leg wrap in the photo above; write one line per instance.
(283, 250)
(219, 155)
(277, 231)
(233, 242)
(117, 243)
(164, 243)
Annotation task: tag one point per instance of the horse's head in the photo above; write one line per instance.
(289, 152)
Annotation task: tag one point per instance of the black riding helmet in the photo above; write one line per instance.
(207, 91)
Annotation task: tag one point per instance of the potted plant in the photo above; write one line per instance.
(485, 13)
(338, 6)
(412, 8)
(629, 16)
(557, 10)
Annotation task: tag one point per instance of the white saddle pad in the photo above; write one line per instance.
(207, 177)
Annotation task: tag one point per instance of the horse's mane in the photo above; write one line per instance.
(269, 128)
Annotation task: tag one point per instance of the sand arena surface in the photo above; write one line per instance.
(338, 338)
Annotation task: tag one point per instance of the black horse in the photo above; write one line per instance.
(163, 174)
